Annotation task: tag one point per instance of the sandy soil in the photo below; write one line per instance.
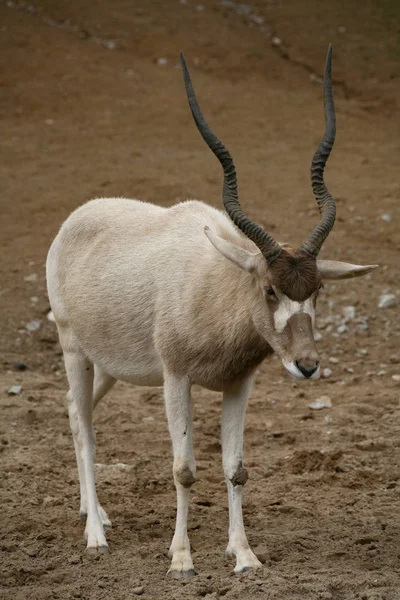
(87, 110)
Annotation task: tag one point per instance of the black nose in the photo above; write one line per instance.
(307, 371)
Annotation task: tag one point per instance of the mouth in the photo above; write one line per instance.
(295, 372)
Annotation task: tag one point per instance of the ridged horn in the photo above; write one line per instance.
(268, 246)
(325, 201)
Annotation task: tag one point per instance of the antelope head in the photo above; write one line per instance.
(286, 280)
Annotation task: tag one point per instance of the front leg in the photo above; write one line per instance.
(233, 415)
(179, 414)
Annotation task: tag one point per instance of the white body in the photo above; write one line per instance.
(171, 297)
(131, 286)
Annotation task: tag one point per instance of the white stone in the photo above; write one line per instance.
(342, 328)
(322, 402)
(33, 325)
(386, 218)
(333, 360)
(15, 390)
(317, 336)
(31, 278)
(387, 300)
(326, 372)
(349, 312)
(396, 377)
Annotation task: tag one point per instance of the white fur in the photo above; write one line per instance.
(288, 308)
(140, 293)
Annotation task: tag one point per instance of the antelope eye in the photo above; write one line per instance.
(270, 292)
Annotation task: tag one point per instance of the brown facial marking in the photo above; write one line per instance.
(295, 273)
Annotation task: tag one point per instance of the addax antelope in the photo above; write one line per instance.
(181, 296)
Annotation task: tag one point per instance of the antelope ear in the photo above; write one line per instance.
(332, 269)
(241, 257)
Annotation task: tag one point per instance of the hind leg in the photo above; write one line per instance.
(102, 384)
(80, 377)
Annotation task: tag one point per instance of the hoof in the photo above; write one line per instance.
(244, 570)
(95, 550)
(182, 574)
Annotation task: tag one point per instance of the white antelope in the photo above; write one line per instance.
(180, 296)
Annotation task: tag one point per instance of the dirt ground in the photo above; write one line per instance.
(88, 109)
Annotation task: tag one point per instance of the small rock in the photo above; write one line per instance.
(386, 218)
(317, 336)
(363, 351)
(333, 360)
(396, 378)
(148, 419)
(349, 313)
(342, 328)
(276, 41)
(138, 591)
(20, 366)
(15, 390)
(162, 61)
(262, 554)
(74, 559)
(33, 325)
(377, 444)
(31, 417)
(31, 278)
(323, 402)
(34, 299)
(381, 372)
(327, 372)
(110, 44)
(387, 300)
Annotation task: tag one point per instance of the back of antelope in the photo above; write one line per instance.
(181, 296)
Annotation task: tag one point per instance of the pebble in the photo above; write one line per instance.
(33, 325)
(317, 336)
(333, 360)
(262, 554)
(387, 300)
(20, 366)
(31, 417)
(31, 278)
(349, 312)
(15, 390)
(323, 402)
(34, 299)
(386, 218)
(138, 591)
(74, 559)
(396, 378)
(326, 372)
(342, 328)
(162, 61)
